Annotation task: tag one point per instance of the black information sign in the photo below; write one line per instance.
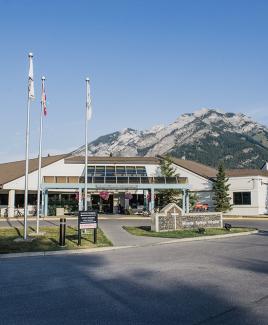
(87, 220)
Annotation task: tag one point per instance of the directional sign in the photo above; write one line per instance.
(87, 219)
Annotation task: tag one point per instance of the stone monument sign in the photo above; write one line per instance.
(172, 217)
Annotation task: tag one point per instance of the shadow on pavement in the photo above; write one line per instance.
(16, 228)
(89, 289)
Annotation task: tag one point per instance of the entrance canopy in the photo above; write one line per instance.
(116, 184)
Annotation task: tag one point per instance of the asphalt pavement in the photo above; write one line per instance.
(210, 282)
(246, 222)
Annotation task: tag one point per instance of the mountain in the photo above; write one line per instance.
(206, 136)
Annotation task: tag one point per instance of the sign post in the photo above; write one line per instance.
(87, 220)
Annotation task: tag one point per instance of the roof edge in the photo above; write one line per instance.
(63, 156)
(204, 176)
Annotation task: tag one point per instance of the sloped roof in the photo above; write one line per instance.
(209, 172)
(246, 172)
(195, 167)
(112, 160)
(13, 170)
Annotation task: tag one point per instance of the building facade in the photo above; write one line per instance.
(125, 184)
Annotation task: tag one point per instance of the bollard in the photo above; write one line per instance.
(95, 235)
(62, 232)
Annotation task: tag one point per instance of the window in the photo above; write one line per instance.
(110, 179)
(242, 198)
(122, 180)
(120, 170)
(110, 170)
(3, 199)
(19, 200)
(141, 171)
(131, 170)
(32, 199)
(134, 180)
(98, 180)
(91, 170)
(100, 171)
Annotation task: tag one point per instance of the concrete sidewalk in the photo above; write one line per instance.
(120, 237)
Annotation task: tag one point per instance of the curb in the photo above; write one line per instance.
(207, 237)
(63, 252)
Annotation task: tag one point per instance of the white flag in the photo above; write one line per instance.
(88, 103)
(31, 79)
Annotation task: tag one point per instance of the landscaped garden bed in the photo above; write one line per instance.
(184, 233)
(49, 241)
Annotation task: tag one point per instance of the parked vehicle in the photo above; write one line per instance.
(200, 206)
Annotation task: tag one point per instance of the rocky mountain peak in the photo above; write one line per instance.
(206, 135)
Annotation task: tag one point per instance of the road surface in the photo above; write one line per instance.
(209, 282)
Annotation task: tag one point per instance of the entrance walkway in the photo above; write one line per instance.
(111, 225)
(120, 237)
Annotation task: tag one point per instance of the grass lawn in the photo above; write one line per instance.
(49, 241)
(185, 233)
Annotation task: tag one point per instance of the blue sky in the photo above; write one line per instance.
(148, 61)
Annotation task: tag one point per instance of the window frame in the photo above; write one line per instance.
(243, 199)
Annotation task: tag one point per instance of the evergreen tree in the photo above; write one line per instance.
(170, 195)
(220, 188)
(193, 198)
(166, 167)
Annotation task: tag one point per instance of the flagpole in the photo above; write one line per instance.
(86, 141)
(27, 160)
(40, 157)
